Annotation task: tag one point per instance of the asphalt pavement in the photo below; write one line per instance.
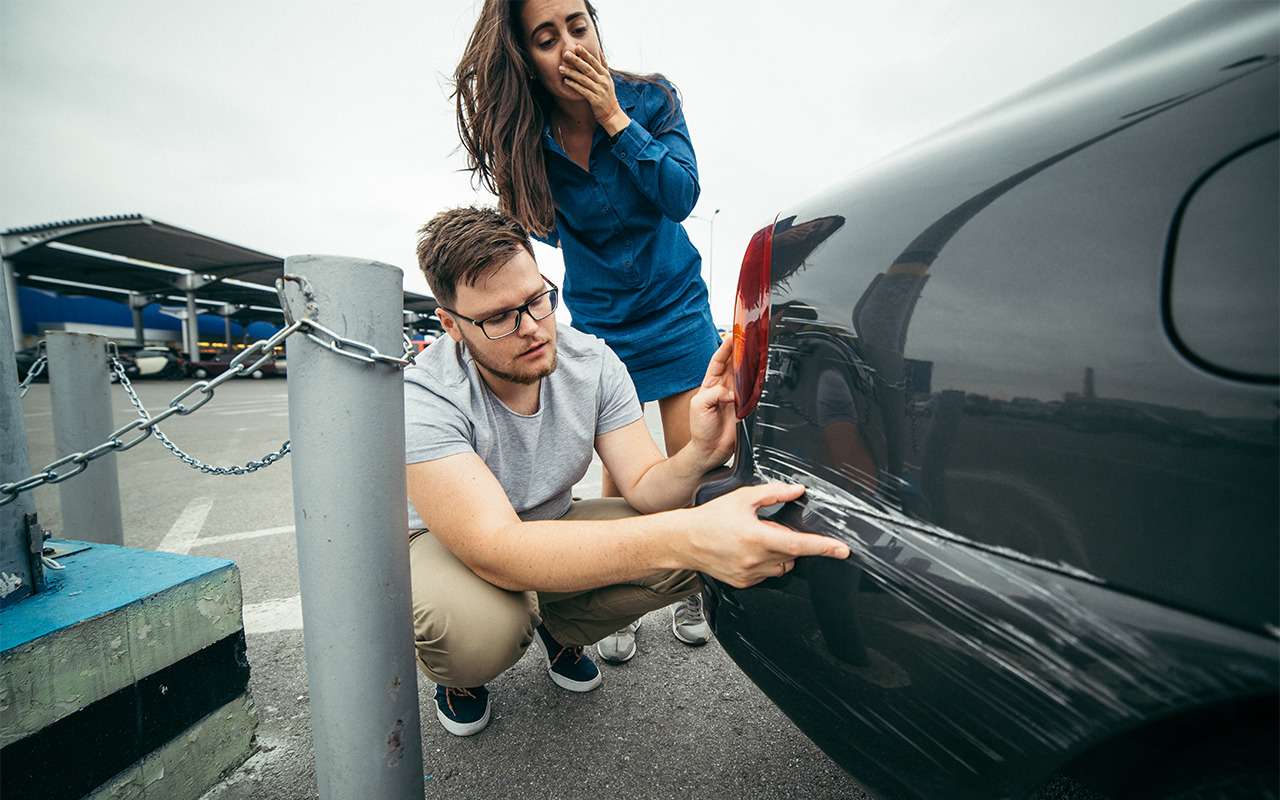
(673, 723)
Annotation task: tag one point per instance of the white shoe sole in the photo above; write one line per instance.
(624, 659)
(635, 626)
(693, 642)
(567, 684)
(463, 728)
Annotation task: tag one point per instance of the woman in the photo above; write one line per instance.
(599, 163)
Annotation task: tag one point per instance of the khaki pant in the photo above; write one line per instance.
(468, 631)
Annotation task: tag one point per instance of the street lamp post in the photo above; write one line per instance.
(711, 249)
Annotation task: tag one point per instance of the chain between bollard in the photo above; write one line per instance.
(143, 428)
(148, 424)
(37, 367)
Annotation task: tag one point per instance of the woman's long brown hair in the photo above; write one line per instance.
(501, 113)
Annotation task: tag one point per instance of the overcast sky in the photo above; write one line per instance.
(321, 127)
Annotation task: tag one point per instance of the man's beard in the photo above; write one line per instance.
(526, 377)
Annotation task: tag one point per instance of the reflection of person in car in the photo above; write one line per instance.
(502, 416)
(842, 436)
(793, 243)
(599, 163)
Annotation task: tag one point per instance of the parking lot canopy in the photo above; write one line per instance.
(105, 251)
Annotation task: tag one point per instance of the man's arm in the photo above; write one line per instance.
(464, 506)
(650, 483)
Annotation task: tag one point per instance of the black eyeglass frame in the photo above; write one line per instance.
(520, 311)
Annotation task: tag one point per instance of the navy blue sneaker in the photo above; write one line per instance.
(568, 665)
(462, 711)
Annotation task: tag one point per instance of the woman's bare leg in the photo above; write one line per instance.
(675, 433)
(688, 621)
(607, 487)
(675, 420)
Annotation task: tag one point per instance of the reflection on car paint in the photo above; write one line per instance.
(1062, 533)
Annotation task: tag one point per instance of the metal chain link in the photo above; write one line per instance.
(37, 367)
(143, 428)
(250, 466)
(336, 343)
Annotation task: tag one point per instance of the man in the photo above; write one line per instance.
(502, 416)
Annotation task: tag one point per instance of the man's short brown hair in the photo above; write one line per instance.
(462, 243)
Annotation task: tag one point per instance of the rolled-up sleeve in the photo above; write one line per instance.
(663, 167)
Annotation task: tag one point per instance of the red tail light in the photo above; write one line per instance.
(751, 322)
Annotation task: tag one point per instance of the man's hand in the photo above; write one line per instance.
(711, 411)
(731, 544)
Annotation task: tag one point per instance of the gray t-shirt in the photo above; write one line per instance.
(448, 409)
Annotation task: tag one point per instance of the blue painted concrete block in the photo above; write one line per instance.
(123, 652)
(97, 580)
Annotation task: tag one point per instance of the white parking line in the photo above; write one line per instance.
(284, 614)
(235, 537)
(187, 527)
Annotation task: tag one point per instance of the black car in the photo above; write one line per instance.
(153, 362)
(1027, 369)
(27, 358)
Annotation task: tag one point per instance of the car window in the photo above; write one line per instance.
(1224, 265)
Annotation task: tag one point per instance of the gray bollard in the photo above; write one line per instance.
(80, 393)
(346, 422)
(19, 573)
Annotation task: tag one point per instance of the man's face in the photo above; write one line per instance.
(525, 356)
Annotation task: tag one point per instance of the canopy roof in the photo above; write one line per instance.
(133, 253)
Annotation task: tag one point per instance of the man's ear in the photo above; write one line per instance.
(449, 324)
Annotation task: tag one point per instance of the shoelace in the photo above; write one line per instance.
(450, 691)
(693, 608)
(564, 648)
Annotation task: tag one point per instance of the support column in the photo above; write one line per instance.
(18, 575)
(346, 422)
(192, 328)
(14, 309)
(80, 392)
(226, 323)
(136, 303)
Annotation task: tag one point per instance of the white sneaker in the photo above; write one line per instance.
(619, 647)
(689, 621)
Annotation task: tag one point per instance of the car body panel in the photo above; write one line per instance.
(982, 273)
(150, 363)
(932, 668)
(221, 362)
(1063, 528)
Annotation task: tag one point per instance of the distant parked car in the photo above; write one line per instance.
(152, 362)
(220, 363)
(1027, 370)
(26, 359)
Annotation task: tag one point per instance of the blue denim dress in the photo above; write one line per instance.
(632, 277)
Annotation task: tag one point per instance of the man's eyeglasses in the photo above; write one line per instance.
(505, 323)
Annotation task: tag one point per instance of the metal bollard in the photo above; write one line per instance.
(346, 422)
(80, 391)
(19, 575)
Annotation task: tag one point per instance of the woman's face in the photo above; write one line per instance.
(551, 29)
